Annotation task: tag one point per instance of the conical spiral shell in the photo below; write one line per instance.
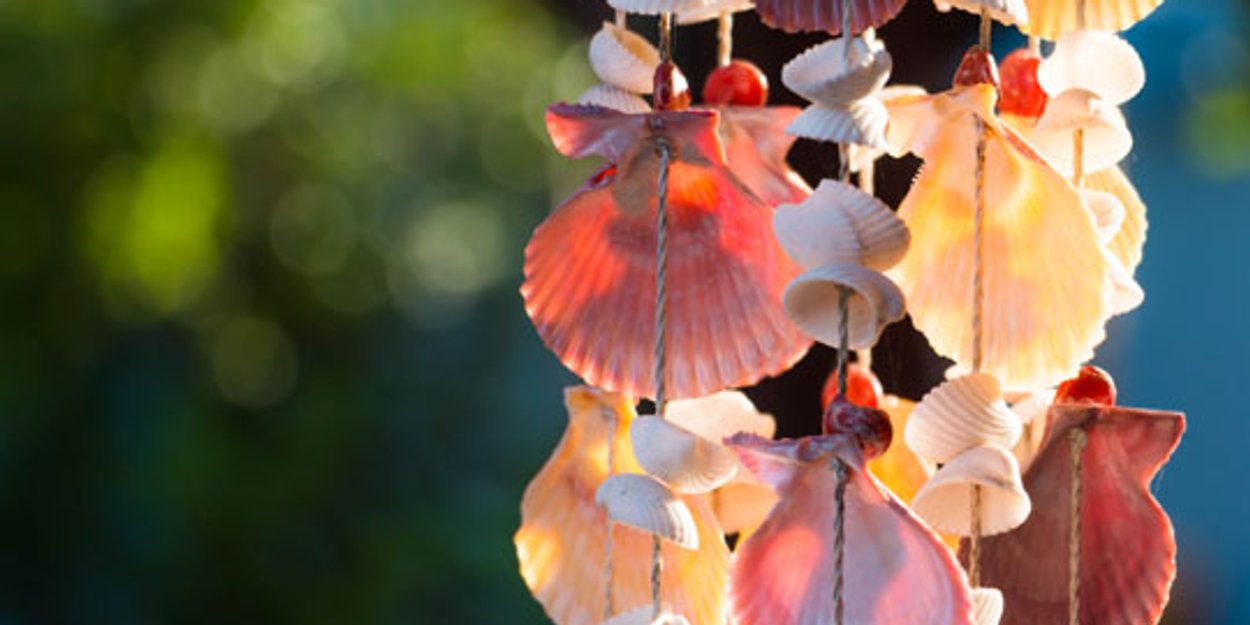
(1010, 12)
(811, 300)
(1106, 139)
(834, 75)
(840, 223)
(644, 615)
(945, 501)
(713, 10)
(987, 606)
(861, 122)
(962, 413)
(1096, 61)
(642, 502)
(614, 98)
(656, 7)
(622, 58)
(685, 461)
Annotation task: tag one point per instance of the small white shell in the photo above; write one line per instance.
(960, 414)
(987, 606)
(839, 223)
(713, 10)
(642, 615)
(944, 502)
(830, 74)
(1096, 61)
(685, 461)
(811, 300)
(861, 122)
(1125, 293)
(622, 58)
(1106, 140)
(720, 415)
(642, 502)
(1004, 11)
(614, 98)
(1107, 210)
(656, 7)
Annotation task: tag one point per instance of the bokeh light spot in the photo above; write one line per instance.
(254, 362)
(313, 229)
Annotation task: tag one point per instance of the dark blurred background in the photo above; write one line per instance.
(262, 357)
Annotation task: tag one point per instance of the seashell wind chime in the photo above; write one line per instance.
(695, 261)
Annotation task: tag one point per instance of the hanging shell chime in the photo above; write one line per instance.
(696, 261)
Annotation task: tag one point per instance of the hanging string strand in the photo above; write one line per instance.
(840, 469)
(621, 19)
(724, 38)
(974, 543)
(839, 538)
(609, 598)
(1077, 439)
(1078, 157)
(661, 288)
(657, 568)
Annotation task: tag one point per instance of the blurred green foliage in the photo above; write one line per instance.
(258, 259)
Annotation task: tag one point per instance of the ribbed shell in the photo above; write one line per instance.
(713, 10)
(831, 74)
(622, 58)
(563, 535)
(614, 98)
(1010, 12)
(945, 501)
(685, 461)
(862, 122)
(656, 7)
(961, 413)
(812, 302)
(720, 415)
(1127, 243)
(826, 15)
(1099, 62)
(837, 223)
(1049, 19)
(1107, 210)
(756, 145)
(1106, 139)
(987, 606)
(642, 502)
(643, 615)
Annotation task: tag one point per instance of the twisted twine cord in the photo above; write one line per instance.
(839, 539)
(657, 568)
(621, 18)
(1078, 157)
(1077, 440)
(844, 329)
(724, 38)
(974, 541)
(661, 278)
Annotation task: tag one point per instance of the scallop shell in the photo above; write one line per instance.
(642, 502)
(839, 223)
(1127, 244)
(614, 98)
(685, 461)
(1106, 139)
(1010, 12)
(563, 536)
(1124, 292)
(756, 145)
(958, 415)
(713, 10)
(1107, 210)
(987, 606)
(742, 504)
(1049, 19)
(645, 615)
(1096, 61)
(656, 7)
(622, 58)
(826, 15)
(861, 122)
(944, 502)
(720, 415)
(831, 74)
(811, 300)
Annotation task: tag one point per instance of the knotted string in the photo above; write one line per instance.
(1077, 440)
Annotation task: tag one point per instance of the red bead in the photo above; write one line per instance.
(976, 68)
(672, 92)
(862, 387)
(870, 427)
(1020, 93)
(740, 83)
(1091, 386)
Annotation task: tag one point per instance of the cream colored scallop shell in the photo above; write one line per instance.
(1106, 139)
(834, 75)
(1049, 19)
(1107, 210)
(685, 461)
(720, 415)
(839, 223)
(713, 10)
(987, 606)
(811, 300)
(656, 7)
(861, 122)
(1124, 292)
(622, 58)
(644, 615)
(642, 502)
(960, 414)
(944, 502)
(1096, 61)
(614, 98)
(1010, 12)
